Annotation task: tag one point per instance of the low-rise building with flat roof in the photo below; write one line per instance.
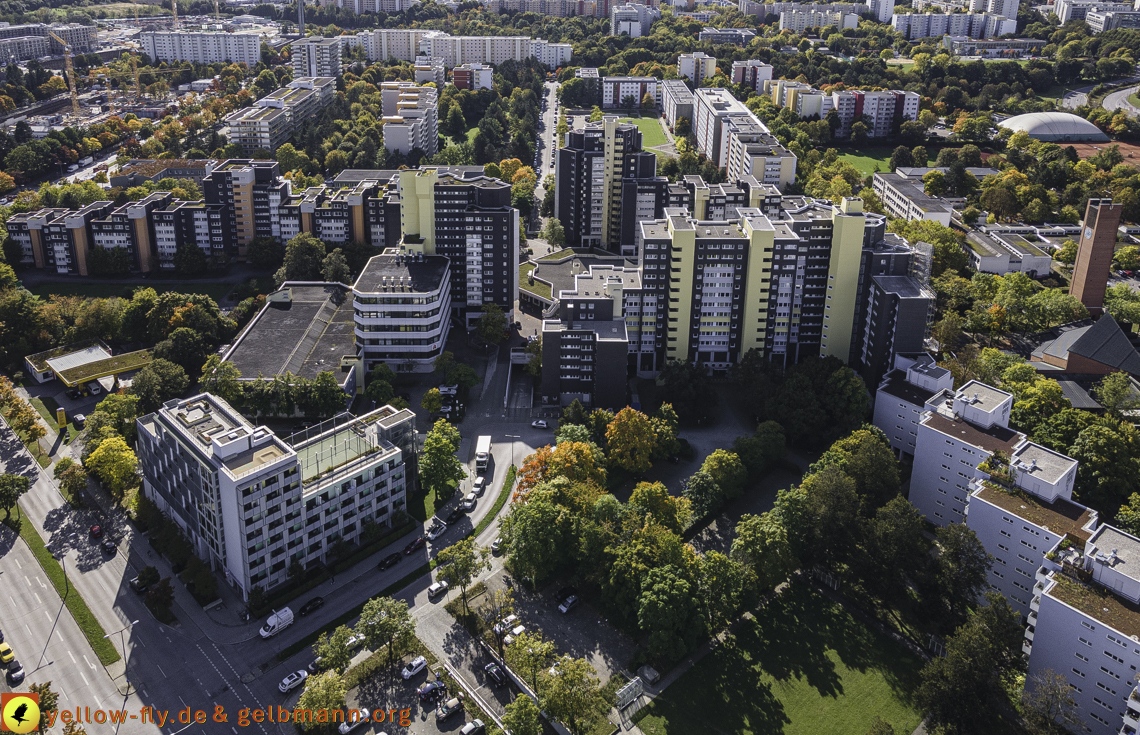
(1006, 252)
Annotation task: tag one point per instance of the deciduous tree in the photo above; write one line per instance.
(963, 568)
(333, 651)
(492, 325)
(440, 469)
(521, 717)
(573, 697)
(323, 692)
(630, 441)
(460, 563)
(157, 383)
(11, 488)
(385, 621)
(115, 465)
(669, 614)
(762, 543)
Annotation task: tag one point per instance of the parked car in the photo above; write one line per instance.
(96, 531)
(79, 420)
(566, 592)
(568, 604)
(479, 486)
(437, 589)
(109, 546)
(354, 642)
(415, 544)
(432, 690)
(75, 394)
(294, 680)
(540, 424)
(495, 674)
(455, 515)
(509, 638)
(355, 720)
(6, 653)
(95, 388)
(136, 585)
(448, 708)
(496, 545)
(415, 666)
(389, 561)
(475, 727)
(315, 666)
(436, 530)
(15, 672)
(469, 501)
(311, 606)
(506, 624)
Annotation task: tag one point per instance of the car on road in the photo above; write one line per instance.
(417, 543)
(15, 672)
(475, 727)
(432, 690)
(495, 674)
(506, 624)
(436, 530)
(354, 642)
(137, 586)
(540, 424)
(415, 666)
(109, 546)
(470, 500)
(315, 666)
(294, 680)
(437, 589)
(356, 718)
(389, 561)
(6, 653)
(509, 638)
(79, 420)
(311, 606)
(96, 531)
(455, 514)
(496, 545)
(448, 708)
(479, 486)
(568, 604)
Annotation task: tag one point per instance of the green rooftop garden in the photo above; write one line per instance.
(110, 366)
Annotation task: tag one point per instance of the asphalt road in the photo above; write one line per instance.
(1119, 101)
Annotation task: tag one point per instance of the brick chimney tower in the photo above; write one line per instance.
(1094, 253)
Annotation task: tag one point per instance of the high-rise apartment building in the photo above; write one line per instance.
(752, 73)
(429, 69)
(470, 220)
(316, 57)
(402, 304)
(590, 175)
(1094, 253)
(253, 191)
(252, 504)
(1067, 10)
(407, 44)
(630, 92)
(633, 20)
(203, 47)
(799, 21)
(82, 39)
(676, 101)
(697, 66)
(915, 26)
(268, 124)
(410, 117)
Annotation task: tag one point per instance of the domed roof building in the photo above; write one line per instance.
(1055, 127)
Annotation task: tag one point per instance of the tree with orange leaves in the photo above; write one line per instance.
(534, 470)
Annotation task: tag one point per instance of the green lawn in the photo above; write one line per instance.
(46, 407)
(803, 666)
(216, 291)
(1057, 91)
(865, 159)
(905, 64)
(471, 134)
(651, 132)
(1134, 99)
(539, 288)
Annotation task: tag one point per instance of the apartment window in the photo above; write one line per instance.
(1081, 657)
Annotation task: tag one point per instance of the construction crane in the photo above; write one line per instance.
(70, 68)
(174, 7)
(217, 13)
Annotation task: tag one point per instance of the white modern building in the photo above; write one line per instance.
(905, 394)
(712, 110)
(272, 119)
(1067, 10)
(206, 47)
(1021, 511)
(430, 69)
(799, 21)
(676, 101)
(252, 504)
(998, 251)
(473, 76)
(406, 44)
(915, 26)
(751, 72)
(1084, 624)
(411, 117)
(403, 309)
(958, 431)
(633, 20)
(697, 66)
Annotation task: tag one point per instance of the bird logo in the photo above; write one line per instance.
(19, 713)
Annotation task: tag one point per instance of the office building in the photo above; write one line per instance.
(1067, 10)
(629, 92)
(473, 77)
(1094, 253)
(251, 504)
(752, 73)
(316, 57)
(633, 20)
(1101, 20)
(202, 47)
(270, 122)
(903, 193)
(676, 101)
(591, 178)
(469, 219)
(994, 47)
(735, 36)
(799, 21)
(992, 250)
(403, 310)
(915, 26)
(410, 117)
(697, 66)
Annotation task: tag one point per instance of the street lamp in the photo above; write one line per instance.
(512, 437)
(123, 641)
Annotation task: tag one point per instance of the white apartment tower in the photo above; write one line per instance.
(697, 66)
(316, 57)
(905, 394)
(202, 48)
(410, 117)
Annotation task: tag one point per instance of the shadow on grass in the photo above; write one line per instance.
(801, 663)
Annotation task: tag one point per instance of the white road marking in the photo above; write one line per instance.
(41, 583)
(27, 580)
(85, 679)
(46, 615)
(18, 564)
(163, 672)
(88, 661)
(39, 601)
(72, 657)
(140, 640)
